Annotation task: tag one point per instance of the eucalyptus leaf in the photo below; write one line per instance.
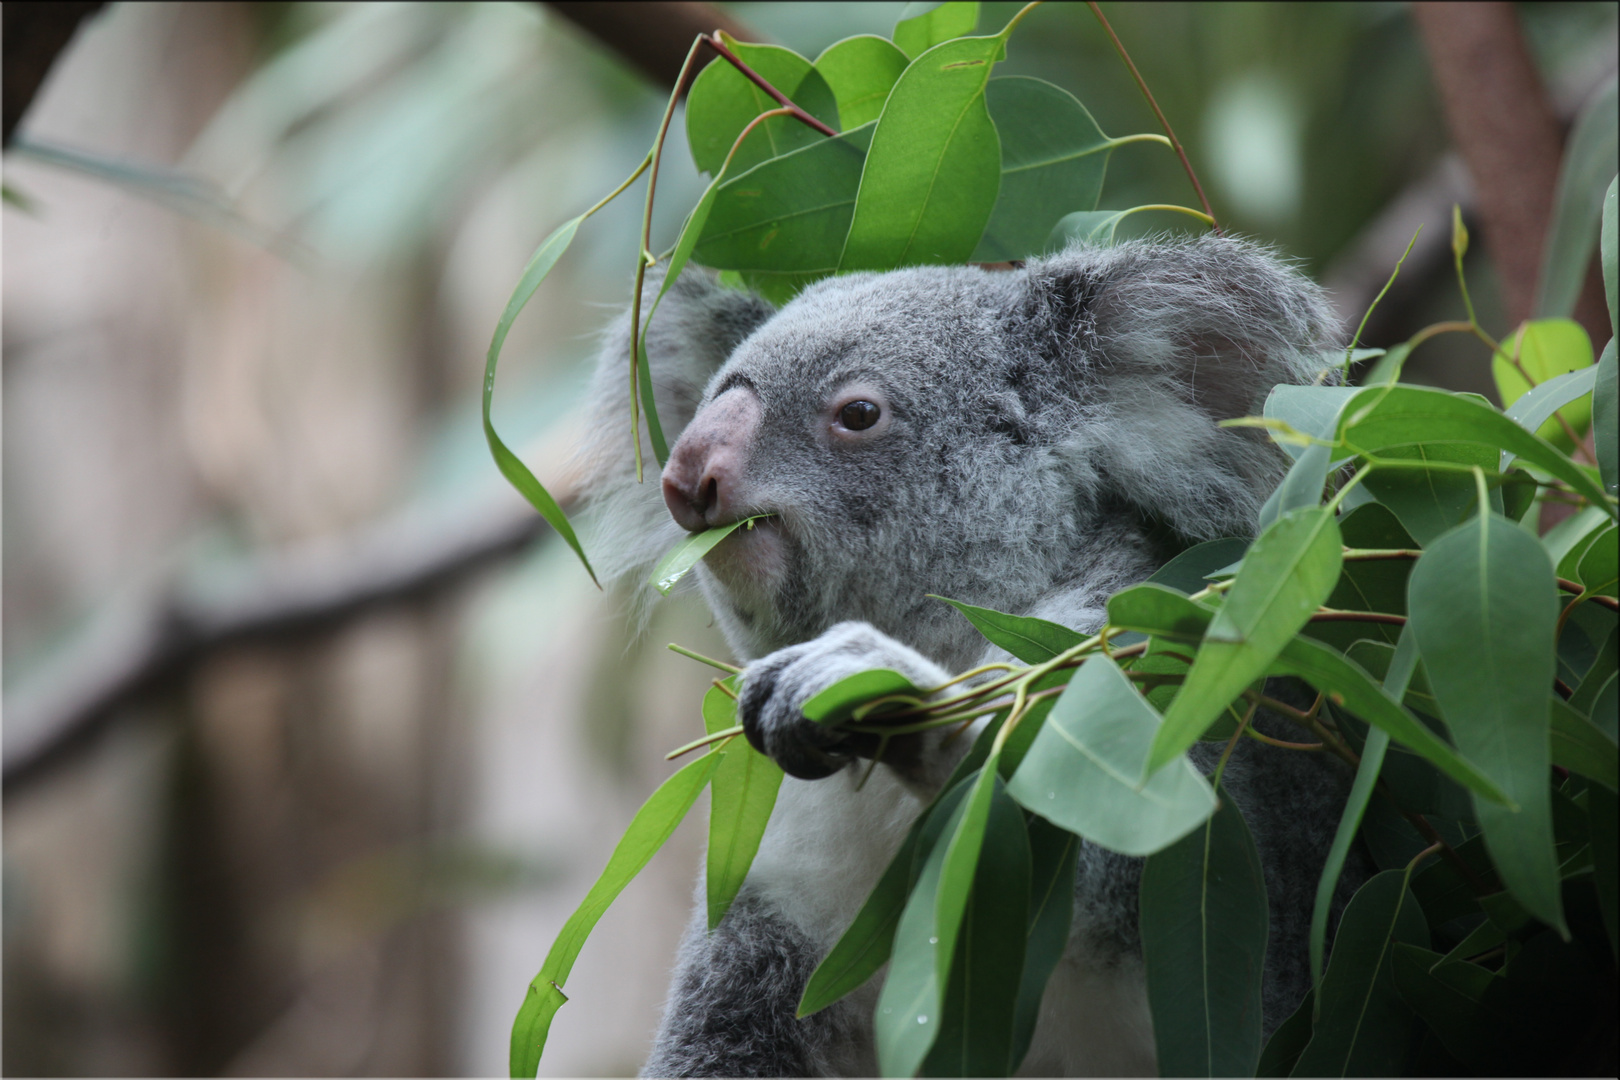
(1589, 156)
(723, 101)
(1483, 605)
(1313, 410)
(934, 166)
(1053, 856)
(1034, 641)
(1363, 1024)
(1084, 769)
(1581, 746)
(683, 556)
(1430, 501)
(1053, 160)
(861, 71)
(1404, 415)
(1451, 999)
(1204, 924)
(648, 830)
(1545, 349)
(978, 1028)
(511, 466)
(1282, 1050)
(1609, 247)
(1599, 567)
(866, 945)
(788, 215)
(1287, 573)
(742, 794)
(1606, 411)
(1535, 409)
(922, 26)
(839, 701)
(1189, 571)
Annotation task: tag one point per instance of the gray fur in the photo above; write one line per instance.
(1052, 438)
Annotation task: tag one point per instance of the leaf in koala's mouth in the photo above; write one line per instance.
(685, 555)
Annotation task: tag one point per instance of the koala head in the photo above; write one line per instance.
(991, 436)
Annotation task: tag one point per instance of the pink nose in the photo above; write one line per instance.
(706, 478)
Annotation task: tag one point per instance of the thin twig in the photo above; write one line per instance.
(714, 42)
(1142, 85)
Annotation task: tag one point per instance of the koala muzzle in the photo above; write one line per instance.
(705, 478)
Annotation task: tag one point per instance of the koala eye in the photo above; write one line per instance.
(859, 415)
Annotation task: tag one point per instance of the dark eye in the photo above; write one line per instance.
(859, 415)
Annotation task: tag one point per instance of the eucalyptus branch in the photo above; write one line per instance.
(1175, 143)
(714, 42)
(700, 658)
(1349, 350)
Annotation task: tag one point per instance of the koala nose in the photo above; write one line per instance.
(706, 477)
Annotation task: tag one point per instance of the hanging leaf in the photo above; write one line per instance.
(1547, 348)
(1053, 855)
(934, 166)
(742, 794)
(1483, 606)
(1286, 574)
(922, 26)
(683, 556)
(1083, 772)
(1034, 641)
(1204, 926)
(723, 101)
(1363, 1025)
(1589, 156)
(861, 71)
(1053, 159)
(648, 830)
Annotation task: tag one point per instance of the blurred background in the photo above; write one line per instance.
(314, 735)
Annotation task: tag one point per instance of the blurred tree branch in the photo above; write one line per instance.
(653, 37)
(35, 35)
(1504, 126)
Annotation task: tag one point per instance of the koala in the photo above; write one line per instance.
(1030, 440)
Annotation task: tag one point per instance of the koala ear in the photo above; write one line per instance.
(696, 327)
(1160, 340)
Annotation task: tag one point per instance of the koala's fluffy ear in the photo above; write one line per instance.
(697, 326)
(1160, 340)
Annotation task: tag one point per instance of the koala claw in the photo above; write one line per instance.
(775, 689)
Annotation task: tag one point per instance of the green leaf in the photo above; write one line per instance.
(839, 701)
(1204, 924)
(511, 466)
(1287, 573)
(1363, 1025)
(1589, 156)
(1450, 997)
(648, 830)
(1053, 855)
(1189, 571)
(723, 101)
(1534, 410)
(866, 945)
(1430, 501)
(1288, 1041)
(1156, 610)
(1094, 228)
(1053, 159)
(1034, 641)
(1404, 415)
(922, 26)
(685, 555)
(788, 215)
(1084, 769)
(934, 166)
(1313, 410)
(907, 1019)
(742, 794)
(861, 71)
(1602, 669)
(1581, 746)
(1546, 349)
(1401, 668)
(978, 1017)
(1599, 567)
(1606, 416)
(1483, 604)
(1603, 811)
(961, 864)
(1609, 246)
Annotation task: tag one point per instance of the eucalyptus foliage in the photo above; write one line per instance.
(1466, 665)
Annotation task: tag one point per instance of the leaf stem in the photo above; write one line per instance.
(727, 734)
(1243, 725)
(1142, 85)
(1350, 349)
(700, 658)
(714, 42)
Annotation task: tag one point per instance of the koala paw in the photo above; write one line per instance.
(775, 689)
